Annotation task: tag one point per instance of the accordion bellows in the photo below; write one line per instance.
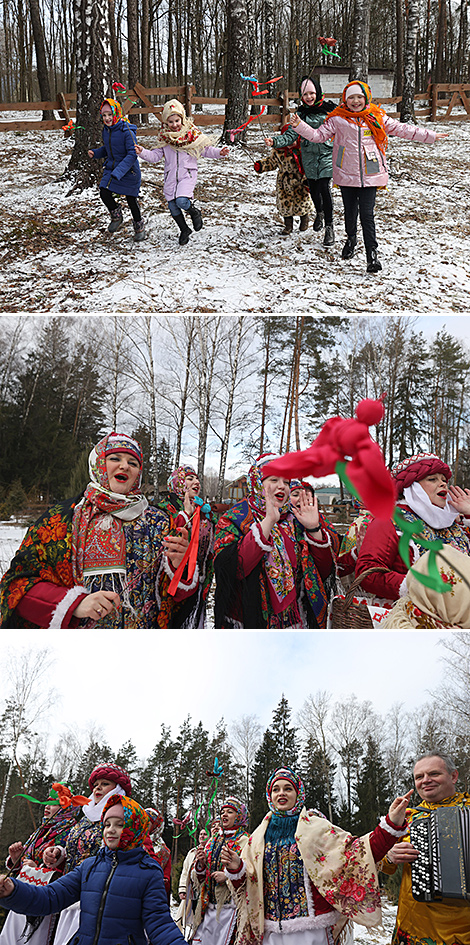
(442, 870)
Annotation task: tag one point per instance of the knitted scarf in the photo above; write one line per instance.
(372, 115)
(188, 138)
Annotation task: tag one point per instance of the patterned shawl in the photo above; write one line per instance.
(341, 867)
(278, 566)
(53, 831)
(247, 601)
(98, 540)
(422, 608)
(177, 479)
(136, 821)
(372, 115)
(116, 110)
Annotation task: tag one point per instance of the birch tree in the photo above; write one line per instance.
(26, 704)
(93, 78)
(360, 46)
(313, 718)
(407, 111)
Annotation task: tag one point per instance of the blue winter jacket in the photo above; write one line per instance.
(122, 169)
(120, 893)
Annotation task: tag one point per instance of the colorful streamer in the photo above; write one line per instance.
(233, 131)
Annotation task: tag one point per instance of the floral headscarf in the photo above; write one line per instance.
(116, 110)
(136, 821)
(98, 541)
(287, 774)
(278, 564)
(235, 804)
(423, 608)
(177, 479)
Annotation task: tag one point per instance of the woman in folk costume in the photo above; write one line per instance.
(299, 878)
(423, 493)
(216, 915)
(93, 561)
(186, 510)
(274, 567)
(26, 863)
(423, 608)
(161, 853)
(352, 542)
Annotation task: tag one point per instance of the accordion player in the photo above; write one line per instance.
(442, 870)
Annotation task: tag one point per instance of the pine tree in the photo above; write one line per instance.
(318, 774)
(278, 748)
(372, 789)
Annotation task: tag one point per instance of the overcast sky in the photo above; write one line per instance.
(130, 682)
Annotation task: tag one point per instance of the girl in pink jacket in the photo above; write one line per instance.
(360, 132)
(180, 144)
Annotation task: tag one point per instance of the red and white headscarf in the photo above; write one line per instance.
(98, 540)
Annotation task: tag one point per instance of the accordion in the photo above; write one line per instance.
(442, 869)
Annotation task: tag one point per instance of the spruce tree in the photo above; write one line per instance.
(372, 789)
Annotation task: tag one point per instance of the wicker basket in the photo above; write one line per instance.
(345, 615)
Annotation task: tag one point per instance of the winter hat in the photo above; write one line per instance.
(177, 478)
(233, 803)
(121, 443)
(417, 467)
(173, 107)
(287, 774)
(136, 820)
(354, 88)
(111, 772)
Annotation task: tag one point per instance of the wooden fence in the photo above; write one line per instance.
(446, 96)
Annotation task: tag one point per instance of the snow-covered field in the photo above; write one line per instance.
(11, 537)
(58, 257)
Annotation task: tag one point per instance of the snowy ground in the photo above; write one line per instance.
(58, 257)
(11, 537)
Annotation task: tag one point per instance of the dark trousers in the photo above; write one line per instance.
(110, 203)
(321, 196)
(362, 200)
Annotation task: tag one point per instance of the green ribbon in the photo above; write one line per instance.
(410, 530)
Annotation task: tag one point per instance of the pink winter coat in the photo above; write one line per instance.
(357, 161)
(180, 173)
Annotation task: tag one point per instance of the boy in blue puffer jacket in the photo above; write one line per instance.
(121, 890)
(121, 171)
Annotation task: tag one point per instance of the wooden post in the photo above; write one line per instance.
(63, 106)
(285, 106)
(434, 95)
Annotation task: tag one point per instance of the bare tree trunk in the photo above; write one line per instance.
(113, 40)
(228, 415)
(132, 44)
(407, 112)
(440, 68)
(93, 69)
(145, 44)
(41, 62)
(400, 44)
(360, 45)
(236, 89)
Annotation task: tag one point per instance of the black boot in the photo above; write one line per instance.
(303, 223)
(116, 220)
(329, 236)
(288, 226)
(196, 217)
(139, 231)
(185, 231)
(348, 248)
(373, 264)
(319, 221)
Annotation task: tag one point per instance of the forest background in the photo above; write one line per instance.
(229, 387)
(353, 759)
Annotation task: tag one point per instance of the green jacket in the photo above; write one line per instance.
(317, 159)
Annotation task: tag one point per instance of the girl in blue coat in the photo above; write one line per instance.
(121, 890)
(121, 171)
